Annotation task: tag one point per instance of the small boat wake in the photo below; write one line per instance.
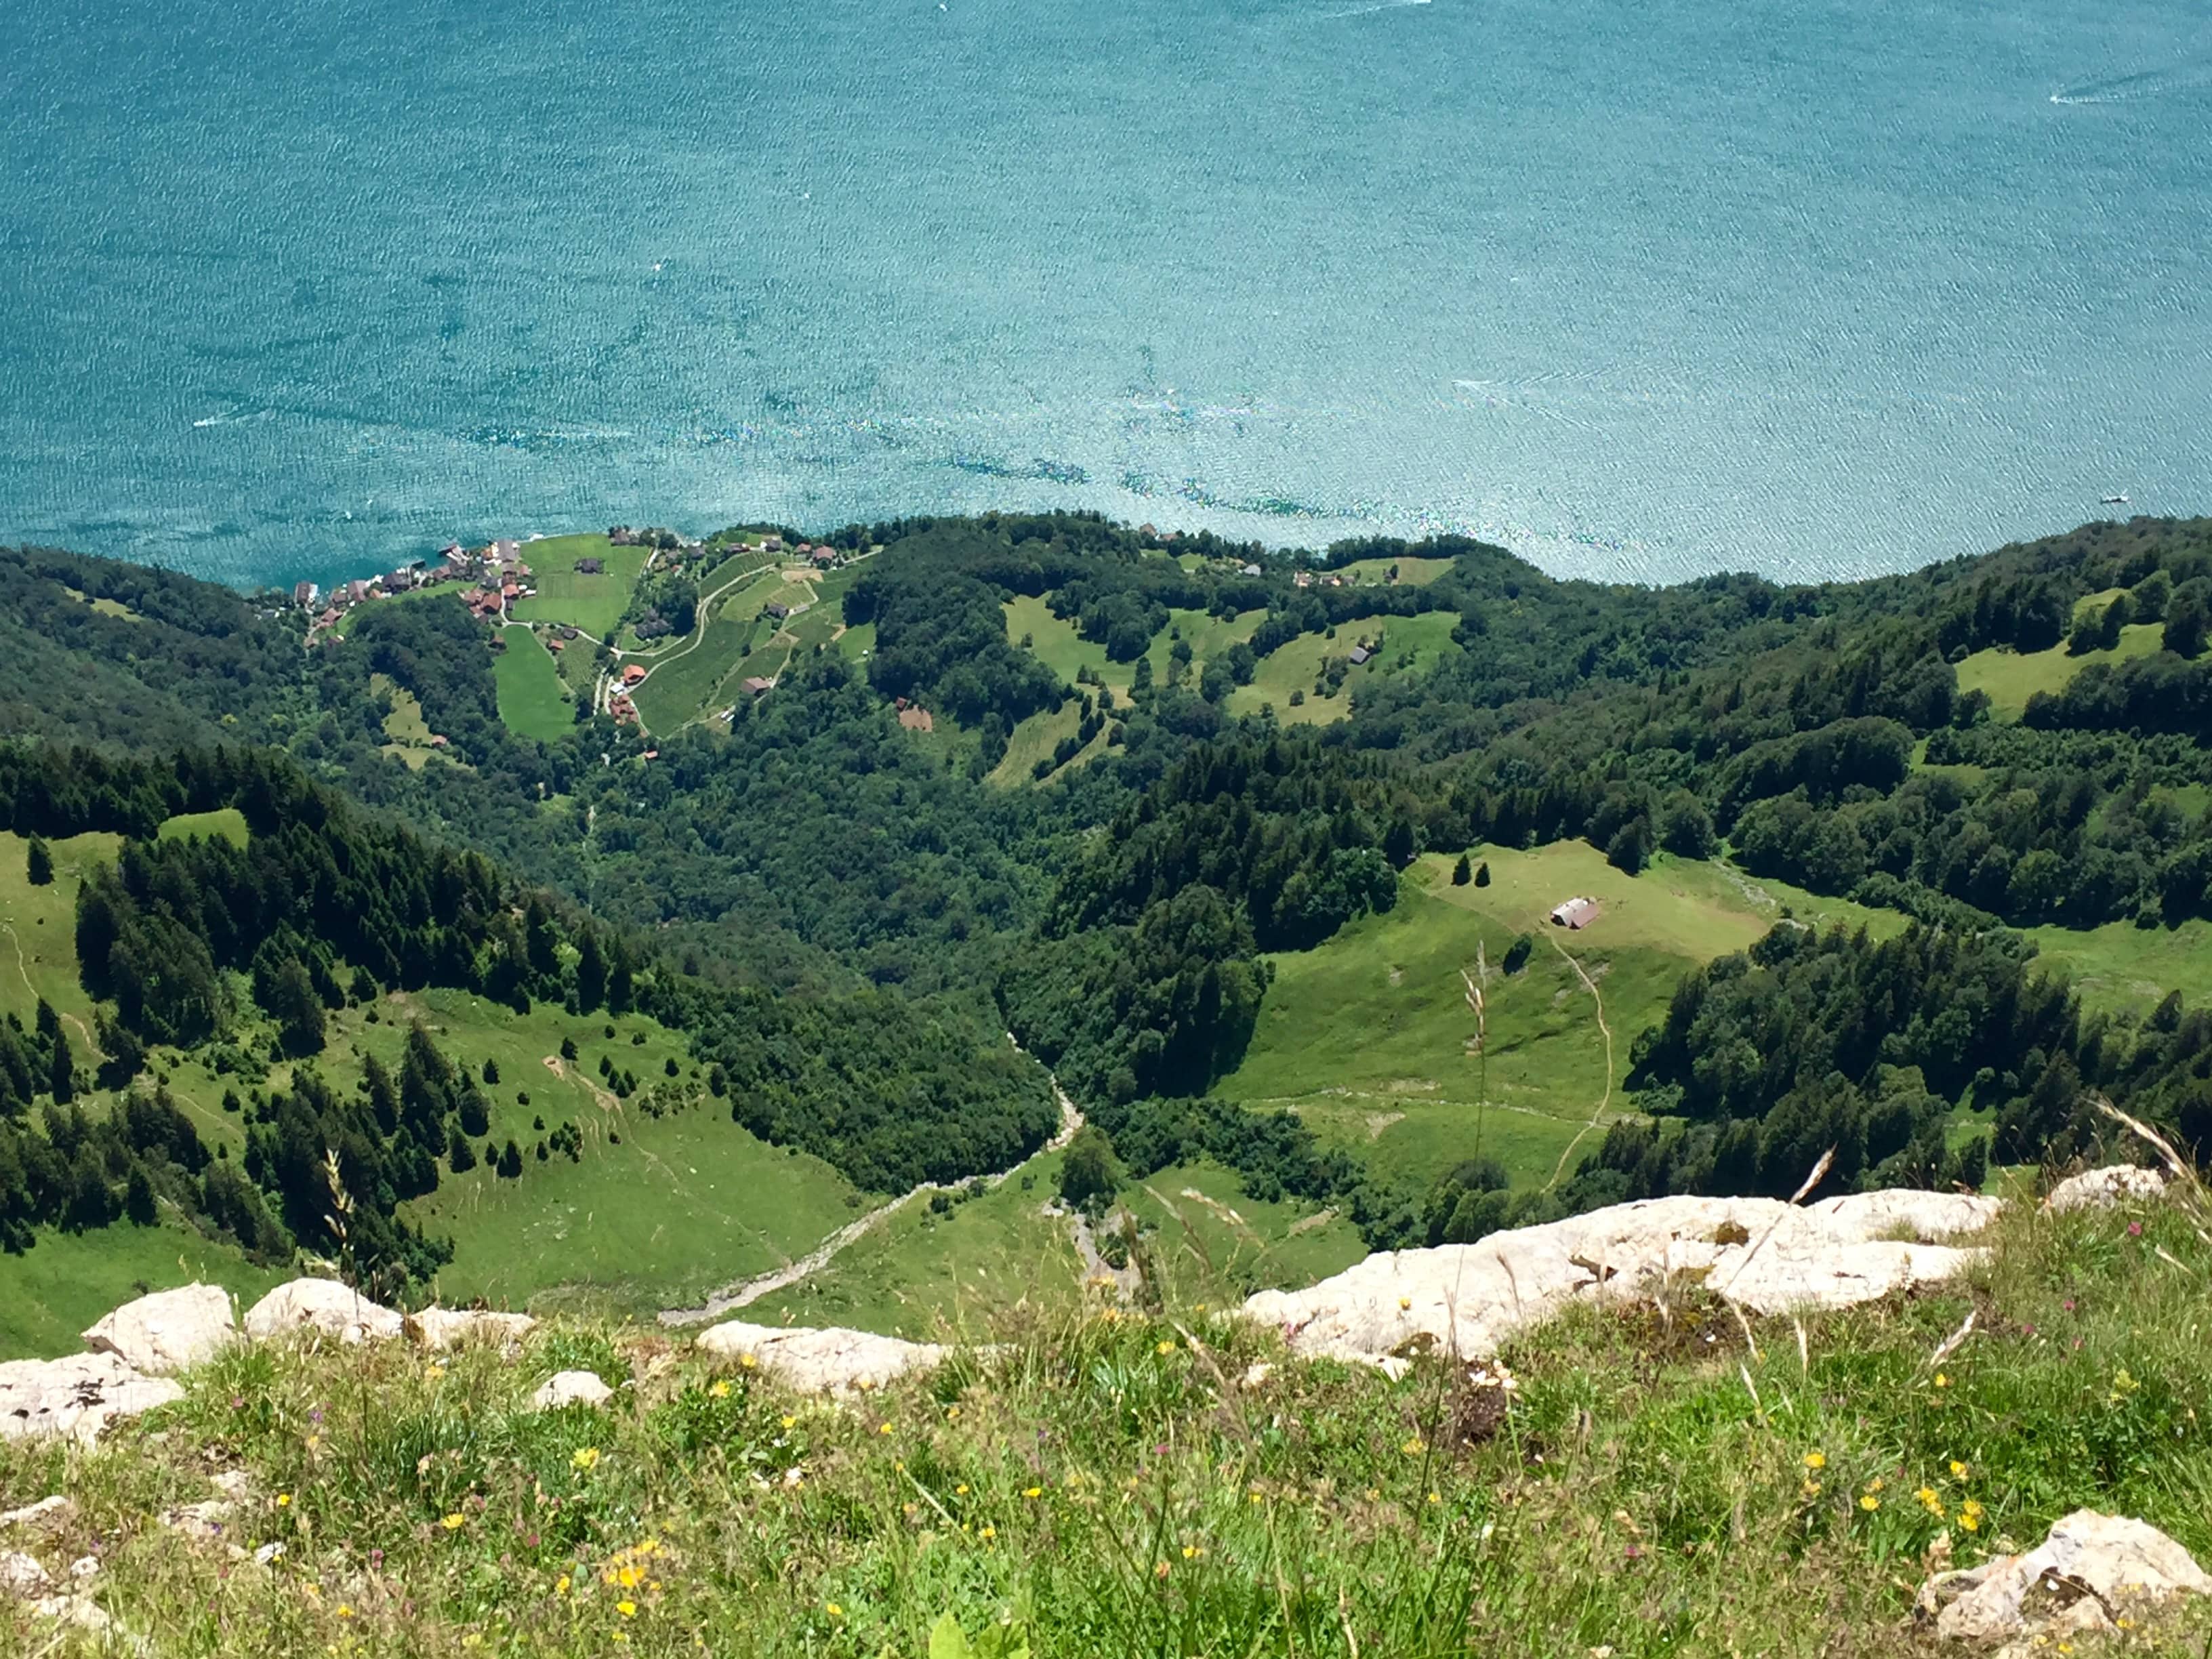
(2190, 73)
(1371, 7)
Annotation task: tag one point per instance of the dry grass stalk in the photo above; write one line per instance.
(1819, 1174)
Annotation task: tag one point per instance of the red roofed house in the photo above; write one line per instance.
(632, 674)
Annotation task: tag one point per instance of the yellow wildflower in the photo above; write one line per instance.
(1971, 1523)
(883, 1428)
(561, 1585)
(1869, 1503)
(1816, 1460)
(1435, 1498)
(344, 1612)
(1191, 1552)
(952, 1413)
(987, 1533)
(790, 1422)
(1959, 1471)
(587, 1457)
(961, 1490)
(1810, 1488)
(1167, 1348)
(718, 1388)
(833, 1610)
(1033, 1491)
(454, 1522)
(284, 1500)
(748, 1361)
(1412, 1448)
(433, 1371)
(1876, 1485)
(628, 1609)
(1942, 1381)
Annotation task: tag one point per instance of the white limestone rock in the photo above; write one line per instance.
(321, 1304)
(77, 1396)
(571, 1388)
(1768, 1256)
(830, 1360)
(167, 1332)
(2099, 1189)
(2117, 1559)
(440, 1328)
(22, 1575)
(49, 1511)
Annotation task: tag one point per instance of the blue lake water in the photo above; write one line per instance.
(1640, 290)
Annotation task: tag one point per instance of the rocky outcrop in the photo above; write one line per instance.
(820, 1360)
(1765, 1255)
(77, 1396)
(22, 1575)
(321, 1304)
(2102, 1188)
(571, 1388)
(440, 1328)
(2084, 1576)
(47, 1511)
(167, 1332)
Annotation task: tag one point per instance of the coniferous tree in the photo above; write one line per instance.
(40, 862)
(1482, 873)
(591, 972)
(510, 1163)
(1461, 872)
(61, 1069)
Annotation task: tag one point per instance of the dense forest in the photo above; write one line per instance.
(844, 921)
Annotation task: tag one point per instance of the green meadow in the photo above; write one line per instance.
(38, 930)
(926, 1273)
(66, 1281)
(592, 603)
(1208, 637)
(2011, 677)
(1408, 645)
(1412, 572)
(225, 823)
(1368, 1036)
(532, 703)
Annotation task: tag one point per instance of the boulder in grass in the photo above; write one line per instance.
(571, 1388)
(77, 1396)
(167, 1332)
(2099, 1189)
(440, 1328)
(2090, 1570)
(321, 1304)
(22, 1575)
(831, 1359)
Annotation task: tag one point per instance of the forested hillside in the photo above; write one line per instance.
(1154, 775)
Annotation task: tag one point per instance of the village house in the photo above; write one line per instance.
(632, 673)
(778, 613)
(1360, 653)
(756, 685)
(1251, 570)
(590, 567)
(305, 594)
(773, 545)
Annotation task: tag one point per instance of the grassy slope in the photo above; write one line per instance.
(921, 1274)
(683, 1203)
(227, 822)
(2010, 677)
(1297, 666)
(1651, 1487)
(66, 1281)
(1412, 572)
(1209, 637)
(594, 603)
(38, 931)
(532, 701)
(1366, 1036)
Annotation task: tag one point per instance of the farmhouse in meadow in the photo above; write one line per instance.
(1575, 914)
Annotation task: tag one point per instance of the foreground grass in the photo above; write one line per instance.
(1653, 1485)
